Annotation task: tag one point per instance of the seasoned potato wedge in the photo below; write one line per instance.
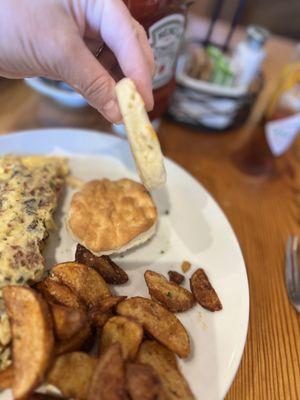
(159, 322)
(83, 280)
(124, 331)
(109, 270)
(164, 363)
(109, 303)
(175, 298)
(67, 321)
(98, 318)
(100, 314)
(176, 277)
(71, 374)
(56, 292)
(108, 381)
(203, 291)
(6, 378)
(75, 342)
(32, 338)
(142, 382)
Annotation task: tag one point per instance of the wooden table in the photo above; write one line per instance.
(263, 205)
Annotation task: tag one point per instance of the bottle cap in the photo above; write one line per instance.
(257, 34)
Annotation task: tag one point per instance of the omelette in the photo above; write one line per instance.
(29, 190)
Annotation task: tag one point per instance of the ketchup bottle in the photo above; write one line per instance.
(164, 22)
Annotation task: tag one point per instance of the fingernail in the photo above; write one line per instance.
(150, 104)
(111, 111)
(119, 122)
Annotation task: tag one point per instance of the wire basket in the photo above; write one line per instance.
(210, 106)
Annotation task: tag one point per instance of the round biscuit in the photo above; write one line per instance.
(109, 216)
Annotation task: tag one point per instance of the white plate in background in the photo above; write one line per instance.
(62, 95)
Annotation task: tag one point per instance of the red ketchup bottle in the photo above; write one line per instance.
(164, 22)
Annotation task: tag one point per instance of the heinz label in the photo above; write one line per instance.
(165, 38)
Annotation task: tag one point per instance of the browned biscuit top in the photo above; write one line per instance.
(106, 215)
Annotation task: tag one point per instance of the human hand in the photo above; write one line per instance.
(47, 38)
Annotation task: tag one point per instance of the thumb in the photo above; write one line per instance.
(81, 70)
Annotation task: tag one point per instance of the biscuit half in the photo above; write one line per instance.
(141, 135)
(111, 216)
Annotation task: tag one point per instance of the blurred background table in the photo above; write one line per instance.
(262, 203)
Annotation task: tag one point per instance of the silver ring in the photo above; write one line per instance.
(99, 49)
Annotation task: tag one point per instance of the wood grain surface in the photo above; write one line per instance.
(261, 200)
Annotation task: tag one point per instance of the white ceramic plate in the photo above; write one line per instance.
(195, 229)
